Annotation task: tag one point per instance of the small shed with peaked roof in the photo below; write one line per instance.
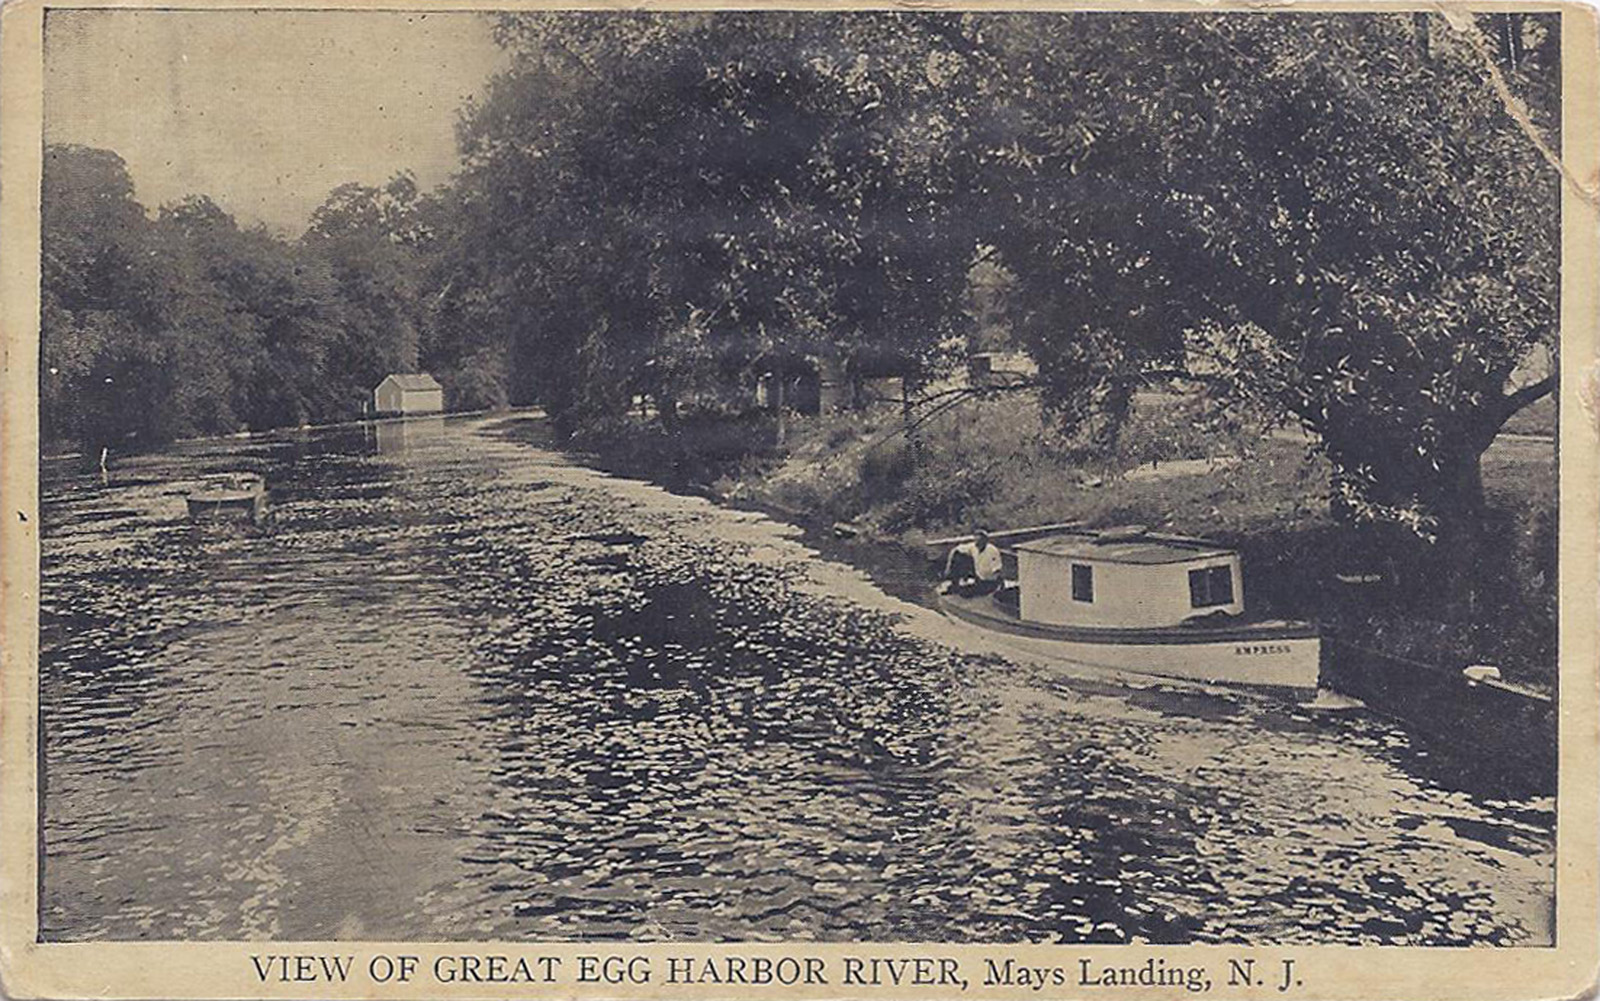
(418, 393)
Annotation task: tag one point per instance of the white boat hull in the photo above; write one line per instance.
(1283, 657)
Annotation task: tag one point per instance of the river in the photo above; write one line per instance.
(464, 687)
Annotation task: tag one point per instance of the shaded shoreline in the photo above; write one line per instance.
(1486, 725)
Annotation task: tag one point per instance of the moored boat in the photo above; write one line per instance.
(229, 497)
(1130, 600)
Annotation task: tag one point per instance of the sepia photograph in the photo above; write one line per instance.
(794, 479)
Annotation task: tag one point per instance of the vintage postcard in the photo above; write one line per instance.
(720, 500)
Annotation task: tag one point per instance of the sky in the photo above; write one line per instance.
(264, 111)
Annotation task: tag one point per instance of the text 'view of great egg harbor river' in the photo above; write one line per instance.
(766, 476)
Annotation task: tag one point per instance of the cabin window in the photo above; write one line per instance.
(1082, 582)
(1211, 586)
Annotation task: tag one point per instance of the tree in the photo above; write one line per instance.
(367, 242)
(100, 345)
(178, 325)
(660, 203)
(1345, 225)
(268, 311)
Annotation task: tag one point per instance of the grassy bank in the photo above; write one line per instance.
(995, 462)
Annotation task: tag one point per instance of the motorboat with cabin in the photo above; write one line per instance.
(229, 497)
(1132, 600)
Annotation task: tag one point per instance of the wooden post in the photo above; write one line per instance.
(778, 399)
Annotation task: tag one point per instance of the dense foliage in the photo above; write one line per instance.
(1330, 219)
(182, 323)
(1333, 218)
(669, 203)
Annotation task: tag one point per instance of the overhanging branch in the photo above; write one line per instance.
(1494, 417)
(1529, 394)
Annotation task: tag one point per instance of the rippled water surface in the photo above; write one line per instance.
(461, 687)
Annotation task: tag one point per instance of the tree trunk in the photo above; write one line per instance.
(913, 442)
(1462, 523)
(1419, 27)
(1468, 485)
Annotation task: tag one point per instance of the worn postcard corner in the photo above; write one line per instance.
(836, 501)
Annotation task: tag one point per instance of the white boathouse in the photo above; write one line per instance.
(418, 393)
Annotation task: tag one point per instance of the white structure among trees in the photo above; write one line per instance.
(408, 394)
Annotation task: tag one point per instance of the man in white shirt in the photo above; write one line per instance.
(974, 567)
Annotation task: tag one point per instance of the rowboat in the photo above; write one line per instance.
(1133, 601)
(229, 497)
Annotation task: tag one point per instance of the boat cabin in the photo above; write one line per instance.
(1130, 600)
(1125, 578)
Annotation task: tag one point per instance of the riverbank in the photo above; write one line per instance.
(1264, 493)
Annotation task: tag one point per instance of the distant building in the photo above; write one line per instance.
(1000, 368)
(827, 381)
(408, 394)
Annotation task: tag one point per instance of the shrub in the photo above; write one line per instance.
(478, 383)
(703, 448)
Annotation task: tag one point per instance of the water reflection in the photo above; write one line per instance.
(401, 436)
(468, 689)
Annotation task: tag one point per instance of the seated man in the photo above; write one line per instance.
(973, 568)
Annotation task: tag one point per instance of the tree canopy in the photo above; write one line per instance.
(1332, 219)
(157, 326)
(681, 197)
